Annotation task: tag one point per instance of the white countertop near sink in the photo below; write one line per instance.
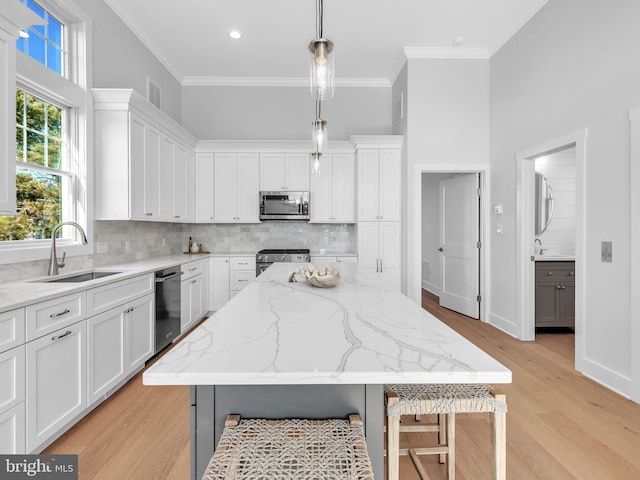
(555, 257)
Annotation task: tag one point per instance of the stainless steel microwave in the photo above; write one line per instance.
(284, 205)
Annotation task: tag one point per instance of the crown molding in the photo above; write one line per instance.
(447, 52)
(204, 81)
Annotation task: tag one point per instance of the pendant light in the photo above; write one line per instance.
(322, 76)
(319, 131)
(315, 162)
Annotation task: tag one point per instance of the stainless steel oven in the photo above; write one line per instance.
(264, 258)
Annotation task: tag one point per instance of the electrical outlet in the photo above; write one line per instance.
(607, 252)
(102, 247)
(127, 245)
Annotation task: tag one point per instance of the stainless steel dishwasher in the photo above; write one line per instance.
(167, 306)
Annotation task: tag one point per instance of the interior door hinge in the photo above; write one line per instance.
(478, 245)
(478, 191)
(478, 298)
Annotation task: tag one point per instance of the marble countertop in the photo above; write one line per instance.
(27, 292)
(359, 332)
(554, 257)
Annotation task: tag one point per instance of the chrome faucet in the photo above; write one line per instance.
(539, 243)
(53, 260)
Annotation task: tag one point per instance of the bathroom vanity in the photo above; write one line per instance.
(555, 293)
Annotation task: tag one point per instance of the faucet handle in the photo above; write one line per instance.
(61, 262)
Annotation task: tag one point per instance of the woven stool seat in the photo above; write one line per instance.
(291, 449)
(445, 401)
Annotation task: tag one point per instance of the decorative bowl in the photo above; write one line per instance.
(322, 277)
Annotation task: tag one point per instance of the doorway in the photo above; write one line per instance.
(526, 249)
(450, 233)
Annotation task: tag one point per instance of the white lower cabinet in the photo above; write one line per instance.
(118, 342)
(56, 382)
(379, 249)
(12, 431)
(192, 294)
(219, 284)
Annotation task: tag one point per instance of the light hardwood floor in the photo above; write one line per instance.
(560, 424)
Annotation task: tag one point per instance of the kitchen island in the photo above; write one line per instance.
(281, 349)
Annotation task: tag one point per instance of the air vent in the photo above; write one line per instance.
(153, 93)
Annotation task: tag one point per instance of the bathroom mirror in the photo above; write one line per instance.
(544, 204)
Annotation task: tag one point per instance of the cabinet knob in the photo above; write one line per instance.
(571, 274)
(549, 274)
(559, 287)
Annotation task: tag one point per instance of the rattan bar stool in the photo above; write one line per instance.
(292, 449)
(444, 401)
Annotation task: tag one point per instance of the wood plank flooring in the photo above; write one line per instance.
(560, 424)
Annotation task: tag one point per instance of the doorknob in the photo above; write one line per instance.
(440, 249)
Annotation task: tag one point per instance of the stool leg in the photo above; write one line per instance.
(451, 439)
(499, 442)
(442, 435)
(393, 441)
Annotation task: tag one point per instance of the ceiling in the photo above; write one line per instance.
(372, 37)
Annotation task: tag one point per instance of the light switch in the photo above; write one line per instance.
(607, 252)
(497, 209)
(499, 229)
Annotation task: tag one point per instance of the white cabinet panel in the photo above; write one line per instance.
(56, 382)
(379, 249)
(106, 297)
(378, 182)
(191, 269)
(105, 352)
(284, 172)
(236, 188)
(204, 171)
(139, 331)
(332, 190)
(219, 282)
(12, 326)
(243, 263)
(45, 317)
(12, 378)
(12, 431)
(191, 302)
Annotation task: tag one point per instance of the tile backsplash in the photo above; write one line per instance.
(129, 241)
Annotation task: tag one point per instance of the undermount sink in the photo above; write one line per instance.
(81, 277)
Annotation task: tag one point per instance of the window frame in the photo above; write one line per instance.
(72, 92)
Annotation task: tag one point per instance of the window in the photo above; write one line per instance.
(44, 43)
(53, 115)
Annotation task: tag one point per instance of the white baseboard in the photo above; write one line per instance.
(431, 288)
(503, 324)
(606, 377)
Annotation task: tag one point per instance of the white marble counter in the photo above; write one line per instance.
(554, 257)
(276, 333)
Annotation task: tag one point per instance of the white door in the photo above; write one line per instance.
(459, 244)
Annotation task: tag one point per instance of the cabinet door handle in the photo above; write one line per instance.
(559, 287)
(193, 281)
(563, 287)
(68, 332)
(193, 269)
(149, 214)
(380, 265)
(440, 249)
(176, 216)
(64, 312)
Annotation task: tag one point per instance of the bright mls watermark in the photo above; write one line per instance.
(46, 467)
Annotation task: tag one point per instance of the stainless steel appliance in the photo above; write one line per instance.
(167, 306)
(284, 205)
(264, 258)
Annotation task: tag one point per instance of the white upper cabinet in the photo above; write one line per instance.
(204, 181)
(332, 189)
(144, 160)
(284, 172)
(379, 182)
(13, 17)
(236, 188)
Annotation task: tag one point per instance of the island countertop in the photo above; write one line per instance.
(358, 332)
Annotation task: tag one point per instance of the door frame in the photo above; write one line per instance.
(485, 184)
(525, 210)
(634, 306)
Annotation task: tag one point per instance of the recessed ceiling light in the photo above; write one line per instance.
(235, 34)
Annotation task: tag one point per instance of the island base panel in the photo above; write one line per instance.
(210, 406)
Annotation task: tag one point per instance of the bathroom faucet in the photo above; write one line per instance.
(53, 260)
(539, 243)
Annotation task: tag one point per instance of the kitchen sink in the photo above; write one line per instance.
(81, 277)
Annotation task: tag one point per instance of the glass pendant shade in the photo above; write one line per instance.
(319, 136)
(315, 162)
(322, 75)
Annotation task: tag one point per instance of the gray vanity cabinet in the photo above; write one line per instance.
(555, 294)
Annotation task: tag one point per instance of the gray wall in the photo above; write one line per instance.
(120, 59)
(573, 66)
(447, 128)
(282, 113)
(401, 87)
